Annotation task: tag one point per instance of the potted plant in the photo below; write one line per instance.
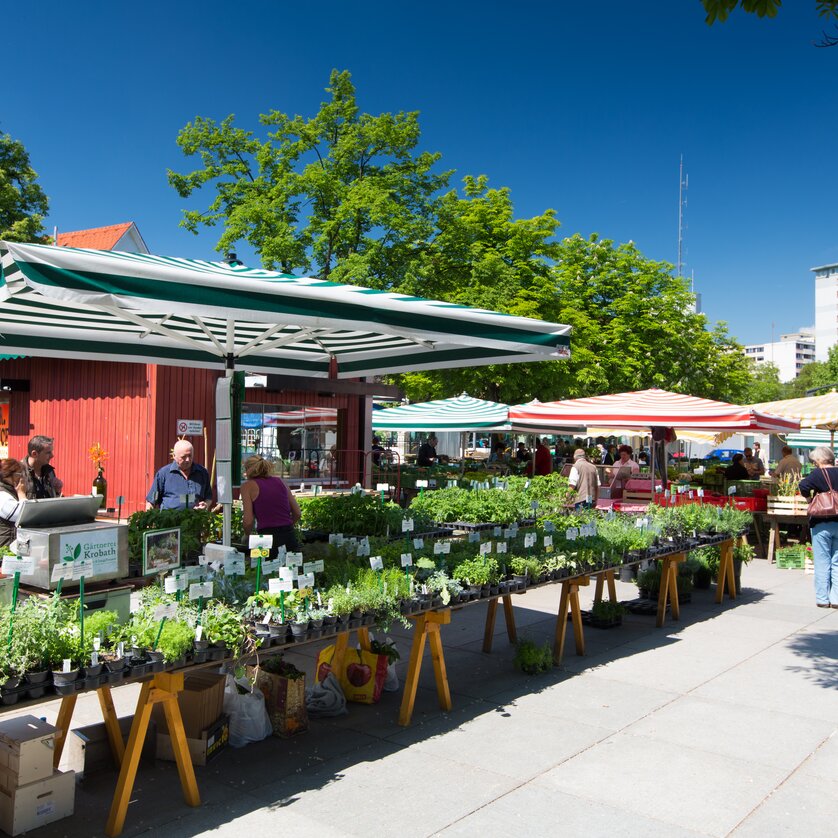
(175, 642)
(606, 614)
(531, 658)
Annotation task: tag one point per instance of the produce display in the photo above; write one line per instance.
(214, 610)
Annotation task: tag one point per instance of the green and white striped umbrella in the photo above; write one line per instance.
(462, 413)
(143, 308)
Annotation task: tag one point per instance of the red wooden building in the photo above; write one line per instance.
(132, 410)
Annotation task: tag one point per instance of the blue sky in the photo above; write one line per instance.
(580, 107)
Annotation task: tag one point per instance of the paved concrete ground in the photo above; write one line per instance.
(723, 723)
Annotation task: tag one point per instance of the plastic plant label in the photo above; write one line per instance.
(407, 524)
(66, 665)
(318, 566)
(421, 484)
(549, 526)
(407, 559)
(418, 543)
(62, 570)
(533, 505)
(376, 563)
(506, 534)
(496, 532)
(278, 586)
(308, 567)
(336, 538)
(382, 487)
(199, 634)
(194, 572)
(233, 566)
(529, 539)
(200, 589)
(170, 585)
(571, 533)
(305, 580)
(293, 559)
(203, 560)
(502, 547)
(271, 567)
(432, 484)
(473, 537)
(82, 568)
(452, 484)
(181, 578)
(260, 541)
(437, 548)
(731, 490)
(701, 493)
(18, 564)
(690, 494)
(485, 548)
(167, 610)
(548, 541)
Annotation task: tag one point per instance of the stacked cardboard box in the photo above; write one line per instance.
(32, 794)
(201, 703)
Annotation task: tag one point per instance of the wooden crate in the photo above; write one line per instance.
(787, 505)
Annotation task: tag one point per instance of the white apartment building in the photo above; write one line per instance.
(826, 309)
(788, 354)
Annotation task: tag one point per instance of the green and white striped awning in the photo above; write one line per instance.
(811, 438)
(462, 413)
(152, 309)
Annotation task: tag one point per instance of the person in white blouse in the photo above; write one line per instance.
(12, 493)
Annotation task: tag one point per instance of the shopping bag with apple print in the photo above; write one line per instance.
(363, 673)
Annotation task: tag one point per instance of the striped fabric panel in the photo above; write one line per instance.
(461, 413)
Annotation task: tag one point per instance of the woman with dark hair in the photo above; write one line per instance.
(736, 470)
(268, 503)
(824, 478)
(12, 492)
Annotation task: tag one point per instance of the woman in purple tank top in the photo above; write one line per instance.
(268, 502)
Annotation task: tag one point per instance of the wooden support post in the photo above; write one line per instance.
(726, 578)
(65, 716)
(569, 600)
(111, 724)
(669, 587)
(162, 688)
(426, 624)
(601, 579)
(773, 540)
(509, 617)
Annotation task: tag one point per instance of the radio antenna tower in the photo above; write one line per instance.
(683, 183)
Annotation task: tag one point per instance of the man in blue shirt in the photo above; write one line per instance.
(182, 484)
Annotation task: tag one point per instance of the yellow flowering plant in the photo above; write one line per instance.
(98, 455)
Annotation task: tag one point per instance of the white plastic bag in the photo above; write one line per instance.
(249, 721)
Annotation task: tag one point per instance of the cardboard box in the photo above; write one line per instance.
(201, 703)
(202, 748)
(88, 750)
(37, 804)
(26, 749)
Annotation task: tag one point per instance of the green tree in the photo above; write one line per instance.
(343, 195)
(818, 374)
(765, 384)
(634, 326)
(720, 9)
(23, 204)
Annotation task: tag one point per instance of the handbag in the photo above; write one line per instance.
(824, 504)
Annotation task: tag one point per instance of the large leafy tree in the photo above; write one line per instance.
(634, 327)
(23, 204)
(720, 9)
(765, 384)
(344, 194)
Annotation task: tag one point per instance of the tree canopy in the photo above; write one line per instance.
(721, 9)
(23, 204)
(352, 197)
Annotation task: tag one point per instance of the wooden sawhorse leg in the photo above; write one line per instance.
(669, 587)
(427, 626)
(773, 541)
(726, 577)
(569, 599)
(163, 689)
(608, 576)
(65, 717)
(509, 617)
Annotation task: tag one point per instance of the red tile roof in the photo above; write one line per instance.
(98, 238)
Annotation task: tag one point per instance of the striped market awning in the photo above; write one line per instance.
(811, 438)
(462, 413)
(810, 411)
(143, 308)
(651, 408)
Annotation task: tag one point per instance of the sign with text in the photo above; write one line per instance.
(190, 427)
(100, 546)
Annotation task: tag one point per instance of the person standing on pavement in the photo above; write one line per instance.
(762, 456)
(182, 484)
(584, 477)
(753, 464)
(542, 463)
(789, 465)
(268, 503)
(824, 530)
(39, 477)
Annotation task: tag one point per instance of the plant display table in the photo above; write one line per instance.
(774, 520)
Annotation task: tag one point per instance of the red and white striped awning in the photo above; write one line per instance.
(650, 408)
